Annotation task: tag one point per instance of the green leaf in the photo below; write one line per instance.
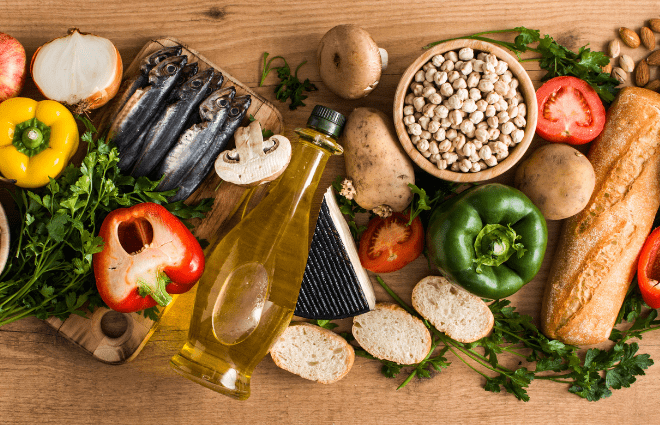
(325, 324)
(57, 227)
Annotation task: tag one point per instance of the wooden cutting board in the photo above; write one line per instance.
(114, 337)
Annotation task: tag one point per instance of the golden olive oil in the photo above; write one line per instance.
(249, 289)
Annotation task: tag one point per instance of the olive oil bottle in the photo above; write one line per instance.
(249, 289)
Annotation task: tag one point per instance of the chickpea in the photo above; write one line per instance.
(415, 129)
(485, 152)
(466, 69)
(506, 139)
(458, 143)
(439, 78)
(501, 87)
(445, 123)
(441, 111)
(478, 65)
(428, 110)
(425, 135)
(433, 127)
(482, 105)
(454, 102)
(442, 164)
(491, 162)
(450, 157)
(455, 167)
(424, 122)
(476, 117)
(503, 117)
(485, 86)
(493, 122)
(455, 117)
(419, 103)
(428, 91)
(520, 121)
(465, 165)
(429, 74)
(427, 66)
(446, 89)
(493, 133)
(420, 76)
(447, 66)
(466, 54)
(476, 167)
(475, 94)
(459, 84)
(433, 147)
(453, 76)
(415, 139)
(423, 145)
(409, 119)
(451, 134)
(467, 127)
(469, 106)
(517, 136)
(512, 111)
(490, 111)
(437, 60)
(435, 99)
(522, 109)
(451, 56)
(468, 149)
(444, 146)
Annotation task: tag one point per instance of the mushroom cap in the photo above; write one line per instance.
(349, 61)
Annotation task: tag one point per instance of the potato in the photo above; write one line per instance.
(375, 161)
(558, 179)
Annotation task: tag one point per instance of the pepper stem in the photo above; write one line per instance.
(158, 291)
(31, 137)
(495, 244)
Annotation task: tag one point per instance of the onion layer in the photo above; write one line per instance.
(81, 70)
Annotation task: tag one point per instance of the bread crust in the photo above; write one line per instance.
(325, 333)
(597, 251)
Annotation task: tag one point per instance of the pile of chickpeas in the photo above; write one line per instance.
(464, 112)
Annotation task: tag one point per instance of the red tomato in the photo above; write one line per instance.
(570, 111)
(648, 270)
(388, 244)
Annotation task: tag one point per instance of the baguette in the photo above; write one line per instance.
(389, 332)
(451, 309)
(313, 353)
(596, 255)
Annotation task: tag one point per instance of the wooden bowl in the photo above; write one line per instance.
(4, 238)
(525, 87)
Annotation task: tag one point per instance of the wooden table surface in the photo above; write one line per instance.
(46, 379)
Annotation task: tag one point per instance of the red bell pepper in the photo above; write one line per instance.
(648, 270)
(148, 254)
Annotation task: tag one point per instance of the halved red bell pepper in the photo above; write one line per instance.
(147, 255)
(648, 270)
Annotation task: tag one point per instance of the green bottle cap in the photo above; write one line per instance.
(326, 121)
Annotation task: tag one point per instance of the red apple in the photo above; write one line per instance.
(12, 66)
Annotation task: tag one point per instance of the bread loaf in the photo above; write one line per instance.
(597, 251)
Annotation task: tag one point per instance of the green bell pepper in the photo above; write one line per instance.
(490, 239)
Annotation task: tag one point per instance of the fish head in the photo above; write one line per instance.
(189, 71)
(216, 82)
(158, 56)
(167, 69)
(196, 83)
(238, 107)
(219, 100)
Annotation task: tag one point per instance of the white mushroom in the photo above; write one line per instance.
(350, 62)
(255, 160)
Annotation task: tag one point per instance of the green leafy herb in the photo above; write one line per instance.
(289, 86)
(592, 377)
(422, 202)
(325, 324)
(349, 208)
(50, 273)
(555, 58)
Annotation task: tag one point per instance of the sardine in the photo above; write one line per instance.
(144, 103)
(162, 134)
(129, 86)
(191, 145)
(204, 165)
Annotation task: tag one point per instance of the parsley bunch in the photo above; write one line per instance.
(50, 273)
(555, 58)
(592, 376)
(289, 86)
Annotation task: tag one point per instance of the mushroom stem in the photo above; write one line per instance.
(383, 58)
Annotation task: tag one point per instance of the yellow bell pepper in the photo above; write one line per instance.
(37, 140)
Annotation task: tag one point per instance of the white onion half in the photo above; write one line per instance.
(82, 70)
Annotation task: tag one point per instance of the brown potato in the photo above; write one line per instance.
(375, 161)
(558, 179)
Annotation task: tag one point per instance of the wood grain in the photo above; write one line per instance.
(46, 379)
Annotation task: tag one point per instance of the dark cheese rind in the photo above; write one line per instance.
(335, 285)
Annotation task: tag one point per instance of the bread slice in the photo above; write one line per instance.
(451, 309)
(313, 353)
(389, 332)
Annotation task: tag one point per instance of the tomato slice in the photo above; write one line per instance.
(648, 270)
(570, 111)
(388, 244)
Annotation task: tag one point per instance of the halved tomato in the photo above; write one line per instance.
(570, 111)
(388, 244)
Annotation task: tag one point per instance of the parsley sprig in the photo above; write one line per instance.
(289, 86)
(592, 376)
(555, 58)
(50, 272)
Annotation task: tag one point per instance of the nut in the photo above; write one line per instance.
(655, 24)
(626, 63)
(619, 74)
(629, 37)
(642, 74)
(647, 37)
(654, 58)
(653, 85)
(614, 49)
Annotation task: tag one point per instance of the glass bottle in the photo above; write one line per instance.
(249, 289)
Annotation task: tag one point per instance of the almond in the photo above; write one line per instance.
(655, 24)
(647, 37)
(626, 63)
(654, 58)
(619, 74)
(642, 74)
(614, 49)
(653, 85)
(629, 37)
